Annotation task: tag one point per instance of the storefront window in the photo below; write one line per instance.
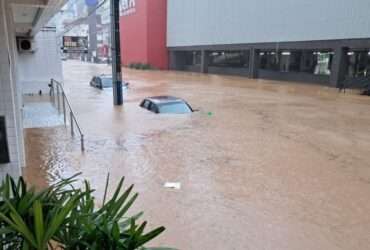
(269, 60)
(193, 58)
(313, 62)
(232, 59)
(358, 63)
(323, 63)
(295, 58)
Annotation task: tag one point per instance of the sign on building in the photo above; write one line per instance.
(127, 7)
(75, 44)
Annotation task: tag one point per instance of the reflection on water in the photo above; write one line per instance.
(263, 165)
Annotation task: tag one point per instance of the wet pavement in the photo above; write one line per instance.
(39, 112)
(262, 165)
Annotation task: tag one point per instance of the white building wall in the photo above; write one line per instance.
(9, 95)
(37, 68)
(208, 22)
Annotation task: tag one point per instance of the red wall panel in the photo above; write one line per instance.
(133, 34)
(143, 34)
(157, 29)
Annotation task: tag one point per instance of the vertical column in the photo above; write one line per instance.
(11, 129)
(92, 22)
(338, 67)
(177, 60)
(204, 61)
(246, 55)
(172, 60)
(303, 60)
(254, 63)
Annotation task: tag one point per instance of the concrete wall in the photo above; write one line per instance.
(37, 68)
(10, 99)
(206, 22)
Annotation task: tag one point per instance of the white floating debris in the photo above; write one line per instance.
(174, 185)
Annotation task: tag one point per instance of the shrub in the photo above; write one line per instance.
(143, 66)
(67, 217)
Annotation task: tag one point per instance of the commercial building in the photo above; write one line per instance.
(29, 57)
(320, 41)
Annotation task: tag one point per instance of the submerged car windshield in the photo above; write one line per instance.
(177, 108)
(107, 82)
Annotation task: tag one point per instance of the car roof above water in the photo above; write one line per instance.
(164, 99)
(104, 76)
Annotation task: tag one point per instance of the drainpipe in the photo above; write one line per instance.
(37, 16)
(35, 20)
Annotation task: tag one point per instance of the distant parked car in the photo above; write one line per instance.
(166, 104)
(104, 81)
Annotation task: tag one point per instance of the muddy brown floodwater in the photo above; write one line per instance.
(263, 165)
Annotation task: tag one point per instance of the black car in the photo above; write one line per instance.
(104, 81)
(166, 104)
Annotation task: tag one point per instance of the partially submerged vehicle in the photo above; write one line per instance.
(166, 104)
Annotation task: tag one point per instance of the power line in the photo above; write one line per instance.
(82, 19)
(72, 4)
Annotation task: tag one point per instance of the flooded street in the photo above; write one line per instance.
(262, 165)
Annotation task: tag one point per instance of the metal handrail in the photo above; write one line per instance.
(61, 104)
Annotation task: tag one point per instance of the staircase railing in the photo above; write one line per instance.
(59, 98)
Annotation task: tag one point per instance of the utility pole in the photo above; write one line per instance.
(92, 32)
(116, 54)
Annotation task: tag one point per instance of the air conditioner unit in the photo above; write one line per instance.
(26, 45)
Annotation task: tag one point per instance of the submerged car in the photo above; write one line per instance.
(166, 104)
(104, 81)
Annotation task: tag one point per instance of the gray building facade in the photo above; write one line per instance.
(320, 41)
